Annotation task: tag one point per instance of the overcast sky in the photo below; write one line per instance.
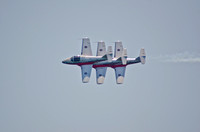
(38, 93)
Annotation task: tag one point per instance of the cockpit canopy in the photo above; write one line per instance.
(75, 58)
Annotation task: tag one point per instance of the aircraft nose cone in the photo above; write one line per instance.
(66, 61)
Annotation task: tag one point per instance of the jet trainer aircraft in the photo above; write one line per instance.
(102, 60)
(86, 60)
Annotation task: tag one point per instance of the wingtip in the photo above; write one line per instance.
(85, 38)
(120, 80)
(100, 80)
(86, 80)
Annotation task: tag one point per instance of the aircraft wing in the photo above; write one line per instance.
(86, 47)
(120, 74)
(86, 72)
(118, 49)
(100, 74)
(101, 49)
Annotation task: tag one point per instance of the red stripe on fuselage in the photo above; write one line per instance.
(113, 66)
(87, 63)
(95, 66)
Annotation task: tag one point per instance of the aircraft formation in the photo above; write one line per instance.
(102, 60)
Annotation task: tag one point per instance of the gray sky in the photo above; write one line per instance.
(39, 93)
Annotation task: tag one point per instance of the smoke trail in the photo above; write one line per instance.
(185, 57)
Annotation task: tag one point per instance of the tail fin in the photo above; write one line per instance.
(124, 56)
(109, 53)
(142, 56)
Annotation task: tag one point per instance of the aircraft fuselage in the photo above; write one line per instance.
(83, 60)
(116, 63)
(102, 60)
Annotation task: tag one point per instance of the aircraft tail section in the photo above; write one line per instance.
(123, 57)
(108, 55)
(142, 56)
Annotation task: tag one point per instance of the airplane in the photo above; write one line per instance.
(102, 60)
(118, 63)
(86, 59)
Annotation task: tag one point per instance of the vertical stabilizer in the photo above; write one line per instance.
(109, 53)
(124, 56)
(142, 56)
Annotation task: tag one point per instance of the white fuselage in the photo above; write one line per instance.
(83, 60)
(115, 63)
